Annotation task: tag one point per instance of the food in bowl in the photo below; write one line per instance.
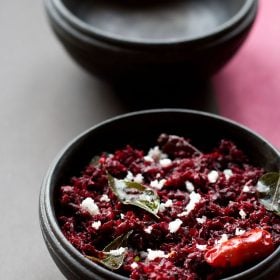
(170, 212)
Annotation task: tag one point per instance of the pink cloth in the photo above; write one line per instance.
(248, 88)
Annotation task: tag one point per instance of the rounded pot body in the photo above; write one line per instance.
(117, 60)
(142, 128)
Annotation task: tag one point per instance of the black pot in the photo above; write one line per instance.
(143, 128)
(170, 40)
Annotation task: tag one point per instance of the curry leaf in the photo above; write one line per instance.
(113, 254)
(136, 194)
(268, 188)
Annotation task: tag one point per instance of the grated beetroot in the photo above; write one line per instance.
(223, 180)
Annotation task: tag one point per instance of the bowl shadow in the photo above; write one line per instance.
(197, 95)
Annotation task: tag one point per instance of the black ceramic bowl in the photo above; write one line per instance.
(130, 39)
(142, 128)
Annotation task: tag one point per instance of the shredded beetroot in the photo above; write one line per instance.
(206, 198)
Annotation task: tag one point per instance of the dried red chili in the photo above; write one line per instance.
(248, 247)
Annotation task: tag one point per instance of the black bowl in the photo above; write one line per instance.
(143, 128)
(147, 40)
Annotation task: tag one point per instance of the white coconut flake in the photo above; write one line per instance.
(129, 176)
(194, 199)
(201, 220)
(162, 207)
(148, 229)
(189, 186)
(213, 176)
(228, 173)
(67, 189)
(122, 216)
(175, 225)
(231, 203)
(139, 178)
(168, 203)
(134, 265)
(104, 197)
(223, 239)
(148, 158)
(96, 225)
(155, 154)
(165, 162)
(214, 196)
(90, 206)
(117, 252)
(158, 184)
(246, 189)
(239, 231)
(201, 247)
(242, 214)
(153, 254)
(182, 214)
(158, 175)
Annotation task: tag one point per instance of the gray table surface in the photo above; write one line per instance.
(45, 101)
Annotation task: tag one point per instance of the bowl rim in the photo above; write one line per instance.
(48, 221)
(247, 7)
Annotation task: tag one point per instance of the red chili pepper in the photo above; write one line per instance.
(251, 246)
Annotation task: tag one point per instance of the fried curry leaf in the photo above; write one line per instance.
(113, 254)
(268, 188)
(136, 194)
